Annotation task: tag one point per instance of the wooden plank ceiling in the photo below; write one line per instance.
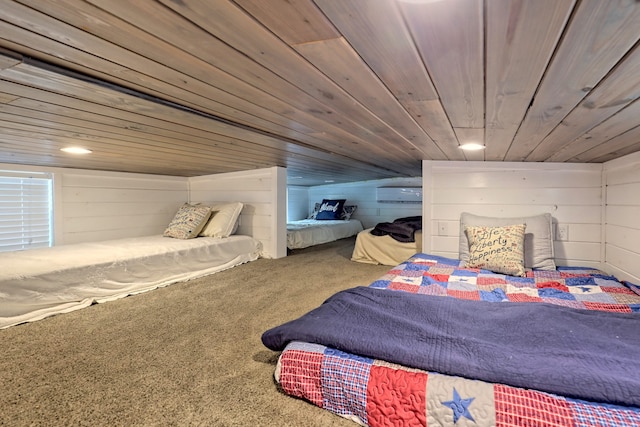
(330, 89)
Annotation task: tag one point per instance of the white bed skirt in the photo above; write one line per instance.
(38, 283)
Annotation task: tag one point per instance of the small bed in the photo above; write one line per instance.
(439, 341)
(38, 283)
(376, 245)
(330, 220)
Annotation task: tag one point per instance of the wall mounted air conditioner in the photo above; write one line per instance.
(399, 194)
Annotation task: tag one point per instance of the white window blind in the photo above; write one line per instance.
(25, 211)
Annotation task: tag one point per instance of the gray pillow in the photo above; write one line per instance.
(538, 238)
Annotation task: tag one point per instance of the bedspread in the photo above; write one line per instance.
(542, 346)
(576, 287)
(377, 393)
(374, 391)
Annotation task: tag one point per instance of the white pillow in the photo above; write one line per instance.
(538, 238)
(223, 221)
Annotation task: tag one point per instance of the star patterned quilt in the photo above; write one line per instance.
(373, 391)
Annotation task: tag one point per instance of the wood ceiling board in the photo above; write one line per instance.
(454, 59)
(612, 148)
(263, 110)
(212, 50)
(600, 33)
(615, 92)
(201, 140)
(8, 59)
(432, 118)
(168, 121)
(173, 85)
(337, 60)
(294, 21)
(377, 32)
(260, 99)
(232, 26)
(74, 89)
(600, 134)
(521, 36)
(629, 149)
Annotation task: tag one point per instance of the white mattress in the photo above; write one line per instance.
(37, 283)
(310, 232)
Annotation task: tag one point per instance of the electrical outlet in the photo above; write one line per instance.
(442, 228)
(562, 232)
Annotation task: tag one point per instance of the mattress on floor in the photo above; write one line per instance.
(38, 283)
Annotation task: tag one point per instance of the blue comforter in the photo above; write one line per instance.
(584, 354)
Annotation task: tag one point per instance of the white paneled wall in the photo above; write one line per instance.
(622, 212)
(93, 206)
(263, 193)
(571, 193)
(297, 202)
(363, 194)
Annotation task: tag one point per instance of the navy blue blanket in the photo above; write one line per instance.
(401, 229)
(576, 353)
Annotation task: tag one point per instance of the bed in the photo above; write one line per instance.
(38, 283)
(436, 342)
(378, 245)
(329, 221)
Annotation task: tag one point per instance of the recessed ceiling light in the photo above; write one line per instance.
(75, 150)
(472, 146)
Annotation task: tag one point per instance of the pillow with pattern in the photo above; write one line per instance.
(498, 249)
(188, 221)
(347, 211)
(330, 209)
(316, 209)
(538, 238)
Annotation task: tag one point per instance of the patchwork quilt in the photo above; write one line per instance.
(375, 392)
(575, 287)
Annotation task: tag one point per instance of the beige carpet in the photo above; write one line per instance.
(189, 354)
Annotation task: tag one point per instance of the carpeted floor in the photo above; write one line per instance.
(186, 355)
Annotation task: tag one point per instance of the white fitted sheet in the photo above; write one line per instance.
(38, 283)
(310, 232)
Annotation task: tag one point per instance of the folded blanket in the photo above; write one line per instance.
(577, 353)
(401, 229)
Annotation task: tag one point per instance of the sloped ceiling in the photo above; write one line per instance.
(330, 89)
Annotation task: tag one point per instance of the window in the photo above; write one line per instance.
(25, 210)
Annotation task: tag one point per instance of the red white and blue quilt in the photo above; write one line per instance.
(373, 391)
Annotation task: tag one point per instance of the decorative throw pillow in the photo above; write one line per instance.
(347, 211)
(330, 209)
(188, 221)
(538, 238)
(499, 249)
(316, 209)
(224, 220)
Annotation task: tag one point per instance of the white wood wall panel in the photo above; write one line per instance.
(263, 193)
(297, 202)
(98, 206)
(571, 193)
(622, 207)
(363, 193)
